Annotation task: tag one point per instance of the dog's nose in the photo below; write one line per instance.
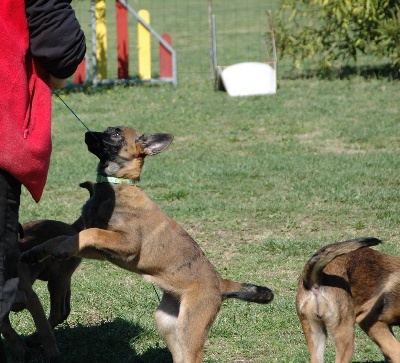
(92, 136)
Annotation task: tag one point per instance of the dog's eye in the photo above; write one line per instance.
(116, 134)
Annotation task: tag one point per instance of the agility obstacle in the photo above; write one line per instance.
(167, 54)
(247, 78)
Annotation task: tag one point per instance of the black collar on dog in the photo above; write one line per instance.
(114, 180)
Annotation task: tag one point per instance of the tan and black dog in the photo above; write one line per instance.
(58, 275)
(126, 228)
(343, 284)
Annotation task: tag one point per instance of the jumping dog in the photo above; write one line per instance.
(128, 229)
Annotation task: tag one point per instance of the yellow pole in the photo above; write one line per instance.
(144, 47)
(101, 39)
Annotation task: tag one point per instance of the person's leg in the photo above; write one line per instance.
(10, 192)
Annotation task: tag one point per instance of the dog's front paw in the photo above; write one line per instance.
(30, 257)
(65, 250)
(61, 254)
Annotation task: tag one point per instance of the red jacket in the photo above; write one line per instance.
(49, 30)
(25, 103)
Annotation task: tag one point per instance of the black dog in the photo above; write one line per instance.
(57, 273)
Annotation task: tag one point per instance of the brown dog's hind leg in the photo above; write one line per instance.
(184, 326)
(343, 336)
(166, 317)
(197, 313)
(382, 336)
(316, 335)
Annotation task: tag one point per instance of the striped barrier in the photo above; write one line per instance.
(167, 56)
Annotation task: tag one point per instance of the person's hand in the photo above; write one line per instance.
(57, 83)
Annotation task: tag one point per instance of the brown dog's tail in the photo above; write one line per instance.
(322, 257)
(247, 292)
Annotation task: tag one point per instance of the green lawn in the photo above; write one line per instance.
(259, 182)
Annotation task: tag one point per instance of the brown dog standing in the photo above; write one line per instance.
(343, 284)
(131, 231)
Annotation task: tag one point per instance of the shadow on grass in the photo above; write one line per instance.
(384, 71)
(90, 89)
(109, 342)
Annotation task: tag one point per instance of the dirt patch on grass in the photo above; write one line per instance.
(334, 146)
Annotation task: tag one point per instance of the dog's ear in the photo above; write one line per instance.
(155, 143)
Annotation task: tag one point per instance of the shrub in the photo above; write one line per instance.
(329, 30)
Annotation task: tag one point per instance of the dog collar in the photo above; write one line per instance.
(114, 180)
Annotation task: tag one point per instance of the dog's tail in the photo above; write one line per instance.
(247, 292)
(89, 186)
(79, 225)
(322, 257)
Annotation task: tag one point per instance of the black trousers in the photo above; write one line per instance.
(10, 193)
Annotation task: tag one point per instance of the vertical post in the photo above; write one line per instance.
(165, 58)
(144, 47)
(94, 51)
(122, 41)
(80, 73)
(101, 39)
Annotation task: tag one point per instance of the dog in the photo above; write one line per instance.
(346, 283)
(57, 273)
(129, 230)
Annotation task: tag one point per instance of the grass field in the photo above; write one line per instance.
(261, 183)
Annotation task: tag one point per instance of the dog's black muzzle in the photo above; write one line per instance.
(93, 141)
(105, 145)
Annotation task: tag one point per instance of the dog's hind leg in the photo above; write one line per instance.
(39, 316)
(343, 336)
(19, 347)
(197, 313)
(316, 335)
(381, 334)
(166, 319)
(60, 307)
(43, 327)
(184, 325)
(60, 301)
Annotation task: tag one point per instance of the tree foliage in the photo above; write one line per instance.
(329, 30)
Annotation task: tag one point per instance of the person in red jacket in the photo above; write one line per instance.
(41, 44)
